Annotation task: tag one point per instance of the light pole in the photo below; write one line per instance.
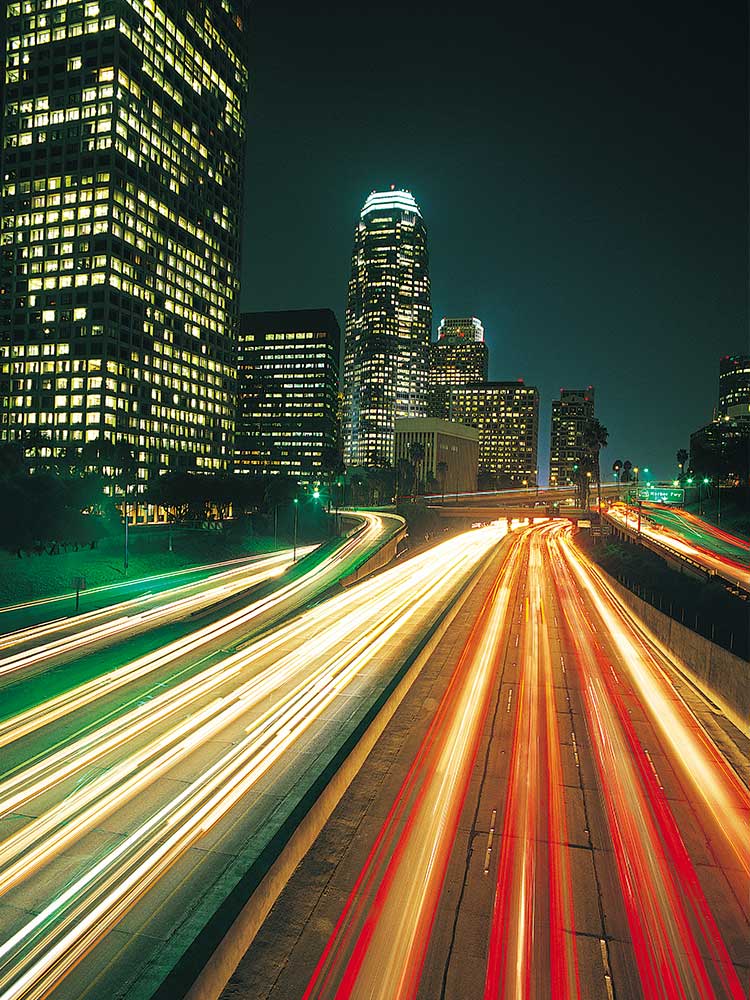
(704, 482)
(125, 510)
(296, 518)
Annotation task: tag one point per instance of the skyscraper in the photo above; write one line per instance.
(570, 414)
(388, 321)
(124, 135)
(734, 386)
(507, 416)
(287, 391)
(459, 356)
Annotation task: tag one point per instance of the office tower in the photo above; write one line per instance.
(570, 414)
(451, 453)
(734, 386)
(388, 320)
(287, 392)
(459, 356)
(507, 416)
(124, 136)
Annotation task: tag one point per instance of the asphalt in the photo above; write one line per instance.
(281, 959)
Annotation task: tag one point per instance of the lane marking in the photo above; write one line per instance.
(490, 838)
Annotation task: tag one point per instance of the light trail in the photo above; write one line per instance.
(378, 946)
(100, 687)
(126, 584)
(678, 947)
(648, 664)
(131, 615)
(35, 958)
(722, 565)
(513, 952)
(31, 846)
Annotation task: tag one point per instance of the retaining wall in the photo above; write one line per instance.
(723, 677)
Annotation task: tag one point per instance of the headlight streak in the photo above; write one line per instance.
(671, 923)
(99, 687)
(126, 623)
(32, 846)
(41, 953)
(243, 561)
(378, 946)
(535, 751)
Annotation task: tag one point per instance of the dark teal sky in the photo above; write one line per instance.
(582, 171)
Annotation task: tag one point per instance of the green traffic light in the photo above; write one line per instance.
(316, 494)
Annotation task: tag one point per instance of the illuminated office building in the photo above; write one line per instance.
(507, 417)
(734, 386)
(287, 392)
(388, 321)
(570, 414)
(459, 356)
(122, 162)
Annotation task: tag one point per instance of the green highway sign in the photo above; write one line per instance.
(662, 494)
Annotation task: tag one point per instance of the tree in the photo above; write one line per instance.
(682, 457)
(617, 468)
(332, 463)
(442, 474)
(627, 471)
(595, 437)
(404, 477)
(416, 454)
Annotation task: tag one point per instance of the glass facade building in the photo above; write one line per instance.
(287, 392)
(570, 414)
(122, 163)
(459, 356)
(507, 416)
(388, 322)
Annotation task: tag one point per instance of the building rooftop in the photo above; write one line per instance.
(388, 201)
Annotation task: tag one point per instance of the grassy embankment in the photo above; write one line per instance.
(706, 606)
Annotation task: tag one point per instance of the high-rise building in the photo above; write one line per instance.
(459, 356)
(388, 321)
(734, 386)
(287, 392)
(570, 414)
(507, 416)
(122, 164)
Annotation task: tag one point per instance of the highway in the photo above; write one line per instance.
(689, 537)
(53, 668)
(566, 827)
(129, 807)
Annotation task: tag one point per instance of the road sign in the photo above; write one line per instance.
(662, 494)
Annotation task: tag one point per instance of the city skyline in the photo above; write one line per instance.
(592, 251)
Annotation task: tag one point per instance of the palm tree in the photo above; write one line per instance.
(682, 457)
(416, 454)
(616, 468)
(595, 437)
(442, 474)
(627, 469)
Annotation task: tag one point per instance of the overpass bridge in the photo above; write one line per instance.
(509, 511)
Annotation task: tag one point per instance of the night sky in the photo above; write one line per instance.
(582, 171)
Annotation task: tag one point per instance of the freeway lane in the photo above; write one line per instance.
(603, 848)
(692, 539)
(116, 838)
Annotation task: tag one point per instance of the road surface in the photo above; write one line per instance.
(566, 827)
(129, 812)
